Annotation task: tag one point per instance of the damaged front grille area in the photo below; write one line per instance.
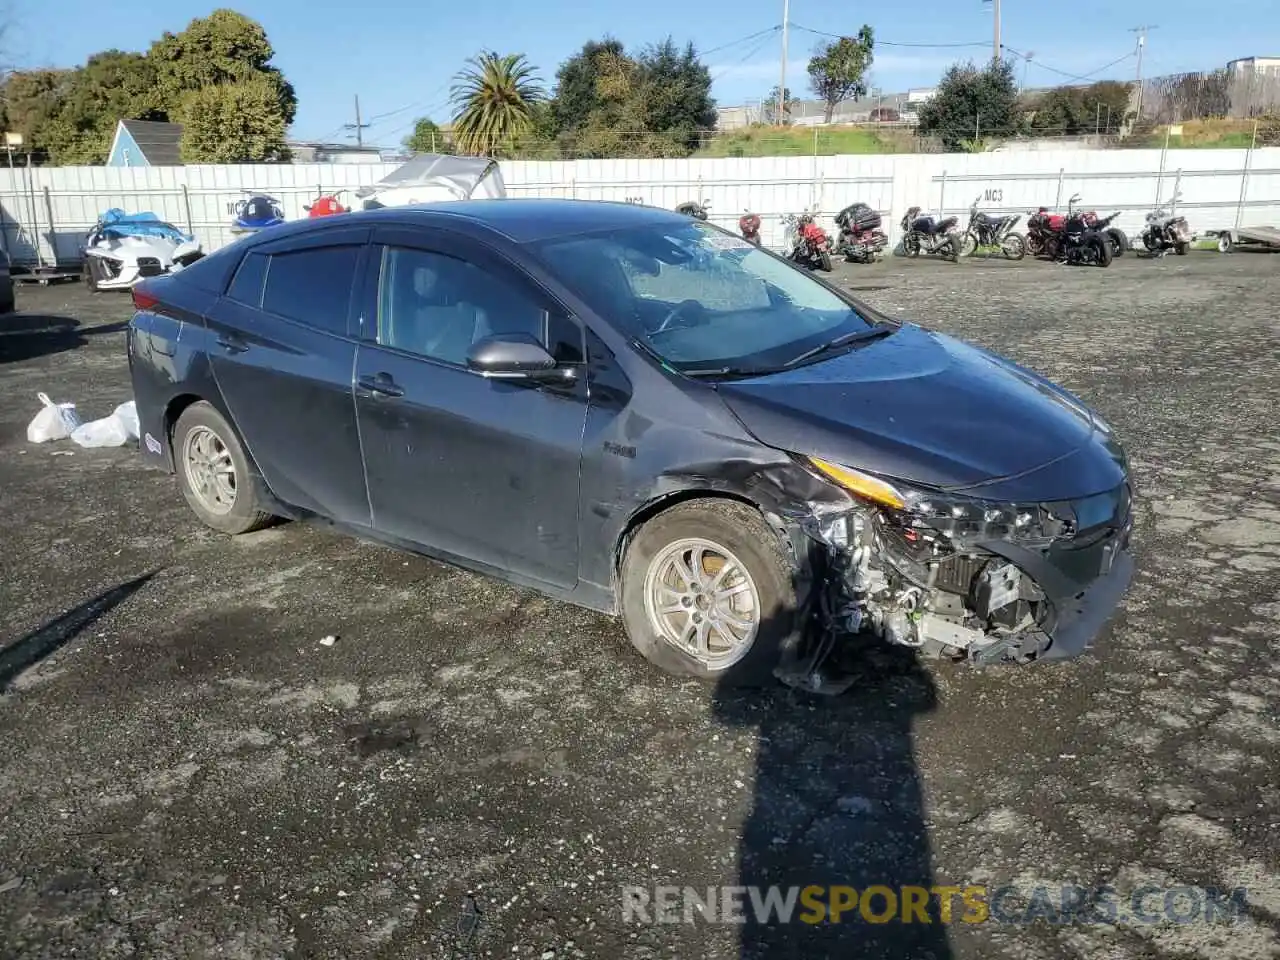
(936, 576)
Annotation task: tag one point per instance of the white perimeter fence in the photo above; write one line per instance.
(45, 212)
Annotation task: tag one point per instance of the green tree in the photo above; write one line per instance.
(427, 137)
(673, 93)
(238, 122)
(32, 100)
(769, 108)
(494, 97)
(577, 96)
(838, 69)
(111, 86)
(971, 104)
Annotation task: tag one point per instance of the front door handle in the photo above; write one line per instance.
(381, 384)
(232, 343)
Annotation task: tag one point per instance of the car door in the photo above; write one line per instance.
(282, 351)
(482, 469)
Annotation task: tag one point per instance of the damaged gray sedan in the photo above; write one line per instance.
(644, 414)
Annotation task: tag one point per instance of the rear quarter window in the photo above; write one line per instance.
(213, 271)
(313, 286)
(246, 286)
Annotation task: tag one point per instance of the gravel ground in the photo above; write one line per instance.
(471, 770)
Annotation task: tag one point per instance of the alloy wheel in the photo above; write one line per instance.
(210, 470)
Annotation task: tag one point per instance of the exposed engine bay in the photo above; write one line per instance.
(937, 574)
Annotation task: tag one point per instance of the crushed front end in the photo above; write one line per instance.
(959, 577)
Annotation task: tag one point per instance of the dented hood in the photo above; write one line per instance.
(925, 407)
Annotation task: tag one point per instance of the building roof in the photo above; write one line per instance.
(158, 141)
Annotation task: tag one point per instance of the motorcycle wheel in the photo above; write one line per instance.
(968, 244)
(1101, 250)
(1013, 246)
(824, 261)
(1118, 241)
(1182, 248)
(911, 245)
(1035, 246)
(1151, 242)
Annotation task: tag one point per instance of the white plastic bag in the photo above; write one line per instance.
(55, 421)
(128, 414)
(108, 432)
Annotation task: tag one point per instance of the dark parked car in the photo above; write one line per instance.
(7, 304)
(644, 414)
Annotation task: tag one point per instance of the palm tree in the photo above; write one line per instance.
(494, 97)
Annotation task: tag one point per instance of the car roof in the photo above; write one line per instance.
(522, 220)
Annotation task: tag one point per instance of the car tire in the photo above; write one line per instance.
(735, 534)
(203, 433)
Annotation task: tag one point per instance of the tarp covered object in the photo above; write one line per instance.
(433, 177)
(116, 223)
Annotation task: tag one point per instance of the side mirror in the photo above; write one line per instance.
(510, 355)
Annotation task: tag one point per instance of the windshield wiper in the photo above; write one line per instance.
(722, 372)
(857, 336)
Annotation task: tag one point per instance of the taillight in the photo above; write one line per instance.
(143, 300)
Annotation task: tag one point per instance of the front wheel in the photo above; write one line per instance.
(1119, 242)
(1151, 241)
(707, 591)
(1101, 250)
(1013, 246)
(968, 244)
(911, 245)
(213, 472)
(1182, 248)
(824, 261)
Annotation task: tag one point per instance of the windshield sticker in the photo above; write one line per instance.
(720, 242)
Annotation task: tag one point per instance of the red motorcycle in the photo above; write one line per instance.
(749, 227)
(326, 205)
(861, 239)
(1045, 230)
(808, 244)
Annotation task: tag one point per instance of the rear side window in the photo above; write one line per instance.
(246, 286)
(312, 286)
(212, 271)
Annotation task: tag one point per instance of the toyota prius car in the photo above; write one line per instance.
(641, 413)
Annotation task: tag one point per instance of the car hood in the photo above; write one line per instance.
(925, 407)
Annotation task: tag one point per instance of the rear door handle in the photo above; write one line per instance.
(232, 343)
(381, 384)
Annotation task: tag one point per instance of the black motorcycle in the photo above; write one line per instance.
(988, 231)
(1164, 231)
(1081, 243)
(694, 209)
(926, 235)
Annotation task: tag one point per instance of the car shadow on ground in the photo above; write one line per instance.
(25, 653)
(26, 336)
(838, 803)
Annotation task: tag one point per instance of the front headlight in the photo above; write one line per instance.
(951, 515)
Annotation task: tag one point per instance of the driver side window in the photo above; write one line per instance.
(437, 306)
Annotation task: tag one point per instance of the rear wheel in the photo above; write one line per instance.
(1225, 243)
(213, 472)
(707, 591)
(1013, 246)
(1182, 248)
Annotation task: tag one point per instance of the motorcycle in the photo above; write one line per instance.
(860, 240)
(1119, 242)
(326, 205)
(1164, 232)
(988, 231)
(926, 235)
(1070, 239)
(255, 212)
(749, 227)
(807, 243)
(695, 209)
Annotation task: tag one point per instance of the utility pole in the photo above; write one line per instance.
(1142, 42)
(995, 47)
(358, 127)
(782, 83)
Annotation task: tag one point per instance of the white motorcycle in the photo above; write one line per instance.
(121, 249)
(1164, 232)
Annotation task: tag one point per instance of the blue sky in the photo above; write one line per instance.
(399, 57)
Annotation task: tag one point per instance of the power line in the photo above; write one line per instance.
(734, 43)
(1063, 73)
(748, 55)
(887, 43)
